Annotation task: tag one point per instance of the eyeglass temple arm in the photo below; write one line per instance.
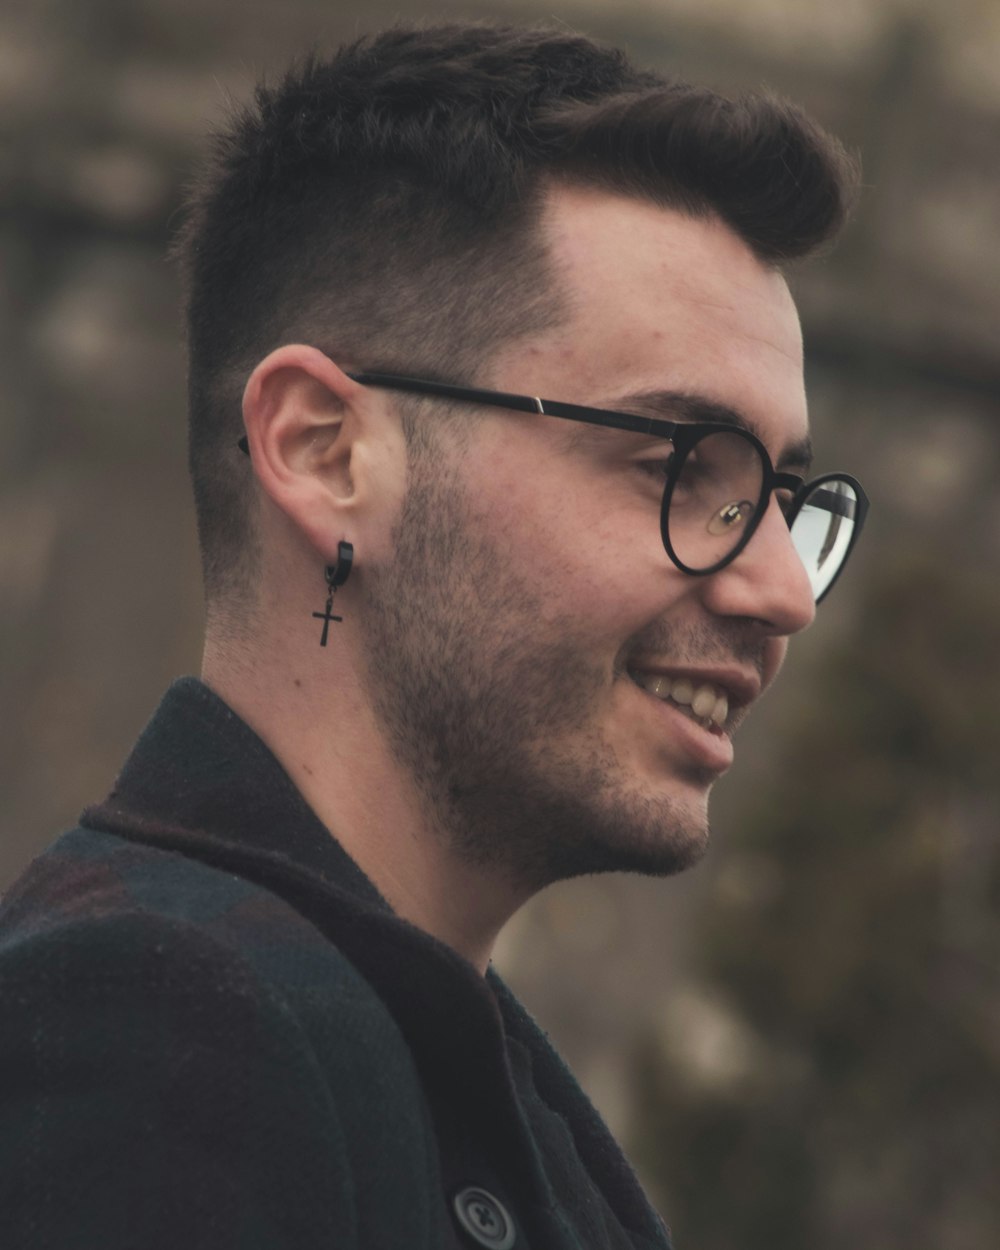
(521, 403)
(653, 426)
(441, 390)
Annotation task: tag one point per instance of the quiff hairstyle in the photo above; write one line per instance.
(384, 205)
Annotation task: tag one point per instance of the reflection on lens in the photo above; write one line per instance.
(729, 516)
(823, 529)
(715, 496)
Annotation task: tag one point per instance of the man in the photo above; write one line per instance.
(462, 642)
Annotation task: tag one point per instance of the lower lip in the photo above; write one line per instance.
(713, 751)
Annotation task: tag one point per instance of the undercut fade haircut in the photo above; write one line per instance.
(384, 205)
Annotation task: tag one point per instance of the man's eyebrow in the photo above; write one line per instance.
(685, 407)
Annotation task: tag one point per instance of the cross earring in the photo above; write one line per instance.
(336, 575)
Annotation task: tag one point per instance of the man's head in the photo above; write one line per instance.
(385, 206)
(523, 211)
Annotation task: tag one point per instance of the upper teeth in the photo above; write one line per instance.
(707, 702)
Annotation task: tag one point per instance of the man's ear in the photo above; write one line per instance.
(301, 416)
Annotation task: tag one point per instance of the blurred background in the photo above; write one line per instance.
(798, 1042)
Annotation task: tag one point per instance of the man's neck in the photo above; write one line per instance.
(330, 745)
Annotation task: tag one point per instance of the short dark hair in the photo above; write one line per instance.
(383, 205)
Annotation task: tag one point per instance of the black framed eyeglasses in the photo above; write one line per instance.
(719, 481)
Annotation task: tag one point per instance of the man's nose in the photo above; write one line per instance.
(767, 581)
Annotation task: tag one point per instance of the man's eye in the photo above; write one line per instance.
(657, 469)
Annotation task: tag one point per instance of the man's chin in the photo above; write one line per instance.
(631, 835)
(649, 857)
(656, 834)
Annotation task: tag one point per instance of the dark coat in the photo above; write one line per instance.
(215, 1033)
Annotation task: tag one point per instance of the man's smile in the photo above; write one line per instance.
(706, 703)
(716, 697)
(700, 705)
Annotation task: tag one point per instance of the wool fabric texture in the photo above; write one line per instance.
(216, 1033)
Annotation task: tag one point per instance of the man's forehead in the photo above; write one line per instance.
(600, 241)
(668, 316)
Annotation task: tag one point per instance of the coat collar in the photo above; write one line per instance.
(200, 782)
(199, 767)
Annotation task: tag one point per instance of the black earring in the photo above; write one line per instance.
(336, 575)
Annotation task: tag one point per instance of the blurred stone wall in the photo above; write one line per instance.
(103, 105)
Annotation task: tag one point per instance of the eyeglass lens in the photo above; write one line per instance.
(823, 529)
(714, 497)
(719, 491)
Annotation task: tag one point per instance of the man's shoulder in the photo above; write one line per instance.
(110, 909)
(159, 1007)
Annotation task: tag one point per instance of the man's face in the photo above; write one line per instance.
(530, 643)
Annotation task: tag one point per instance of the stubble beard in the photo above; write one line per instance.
(487, 704)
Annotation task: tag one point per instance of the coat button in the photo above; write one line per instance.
(485, 1218)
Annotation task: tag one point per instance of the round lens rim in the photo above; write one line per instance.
(861, 512)
(682, 448)
(687, 438)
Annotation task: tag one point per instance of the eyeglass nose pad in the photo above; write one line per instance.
(726, 518)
